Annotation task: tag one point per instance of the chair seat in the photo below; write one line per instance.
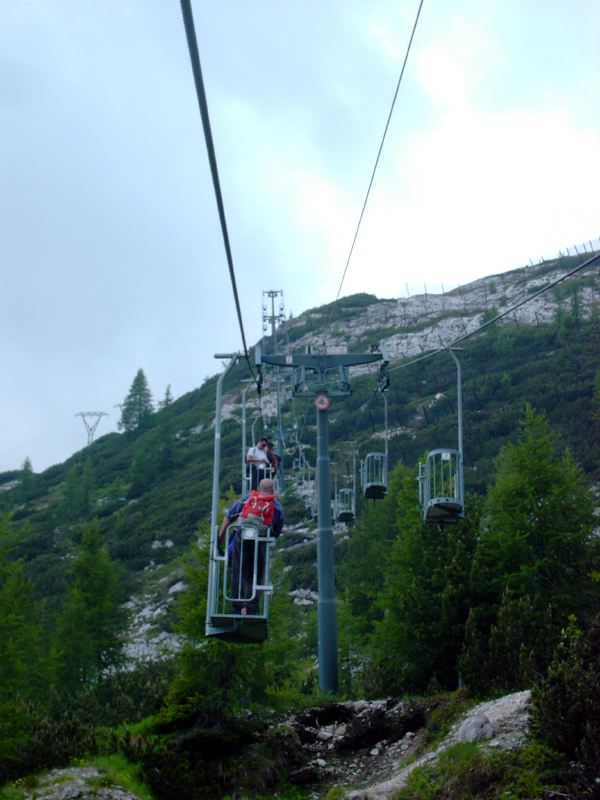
(375, 491)
(238, 628)
(445, 510)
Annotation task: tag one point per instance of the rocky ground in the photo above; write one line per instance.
(77, 783)
(367, 748)
(364, 747)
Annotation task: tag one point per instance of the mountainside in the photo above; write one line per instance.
(104, 564)
(151, 487)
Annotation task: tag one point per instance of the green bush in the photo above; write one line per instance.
(468, 772)
(566, 704)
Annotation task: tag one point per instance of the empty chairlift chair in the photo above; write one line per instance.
(441, 487)
(346, 505)
(374, 468)
(374, 476)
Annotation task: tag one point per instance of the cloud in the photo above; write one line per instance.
(450, 69)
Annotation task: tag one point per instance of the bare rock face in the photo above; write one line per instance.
(78, 783)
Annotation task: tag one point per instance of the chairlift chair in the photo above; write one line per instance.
(374, 468)
(441, 486)
(231, 591)
(346, 505)
(224, 600)
(374, 476)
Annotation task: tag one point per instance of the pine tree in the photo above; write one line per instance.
(425, 599)
(90, 626)
(77, 495)
(167, 399)
(25, 488)
(137, 406)
(535, 551)
(22, 666)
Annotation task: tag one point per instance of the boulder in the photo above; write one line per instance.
(475, 728)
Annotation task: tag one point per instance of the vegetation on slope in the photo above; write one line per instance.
(485, 602)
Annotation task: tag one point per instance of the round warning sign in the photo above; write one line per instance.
(322, 402)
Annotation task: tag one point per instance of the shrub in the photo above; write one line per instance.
(566, 704)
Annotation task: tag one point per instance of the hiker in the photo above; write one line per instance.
(274, 458)
(264, 512)
(259, 462)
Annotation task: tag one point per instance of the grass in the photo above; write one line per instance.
(116, 770)
(466, 771)
(446, 710)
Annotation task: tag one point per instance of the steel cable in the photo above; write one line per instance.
(190, 32)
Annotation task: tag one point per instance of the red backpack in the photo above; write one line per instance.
(259, 505)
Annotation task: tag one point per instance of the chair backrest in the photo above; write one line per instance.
(441, 491)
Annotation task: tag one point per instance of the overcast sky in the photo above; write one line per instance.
(110, 248)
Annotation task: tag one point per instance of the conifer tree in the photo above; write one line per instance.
(90, 626)
(77, 494)
(137, 406)
(72, 505)
(167, 399)
(532, 566)
(22, 666)
(25, 487)
(425, 599)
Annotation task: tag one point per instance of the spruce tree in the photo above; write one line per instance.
(532, 567)
(91, 623)
(167, 399)
(26, 485)
(137, 406)
(425, 599)
(22, 665)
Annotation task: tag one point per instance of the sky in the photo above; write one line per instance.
(111, 253)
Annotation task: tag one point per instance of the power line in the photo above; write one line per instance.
(498, 317)
(190, 32)
(387, 124)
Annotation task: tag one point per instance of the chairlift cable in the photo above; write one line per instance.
(387, 124)
(190, 32)
(498, 317)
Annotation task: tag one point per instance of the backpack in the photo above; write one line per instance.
(259, 509)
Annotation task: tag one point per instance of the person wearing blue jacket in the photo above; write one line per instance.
(261, 508)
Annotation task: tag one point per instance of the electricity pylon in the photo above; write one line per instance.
(91, 426)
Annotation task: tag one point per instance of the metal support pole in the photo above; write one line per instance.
(279, 437)
(244, 437)
(386, 447)
(254, 421)
(459, 404)
(328, 671)
(354, 481)
(214, 512)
